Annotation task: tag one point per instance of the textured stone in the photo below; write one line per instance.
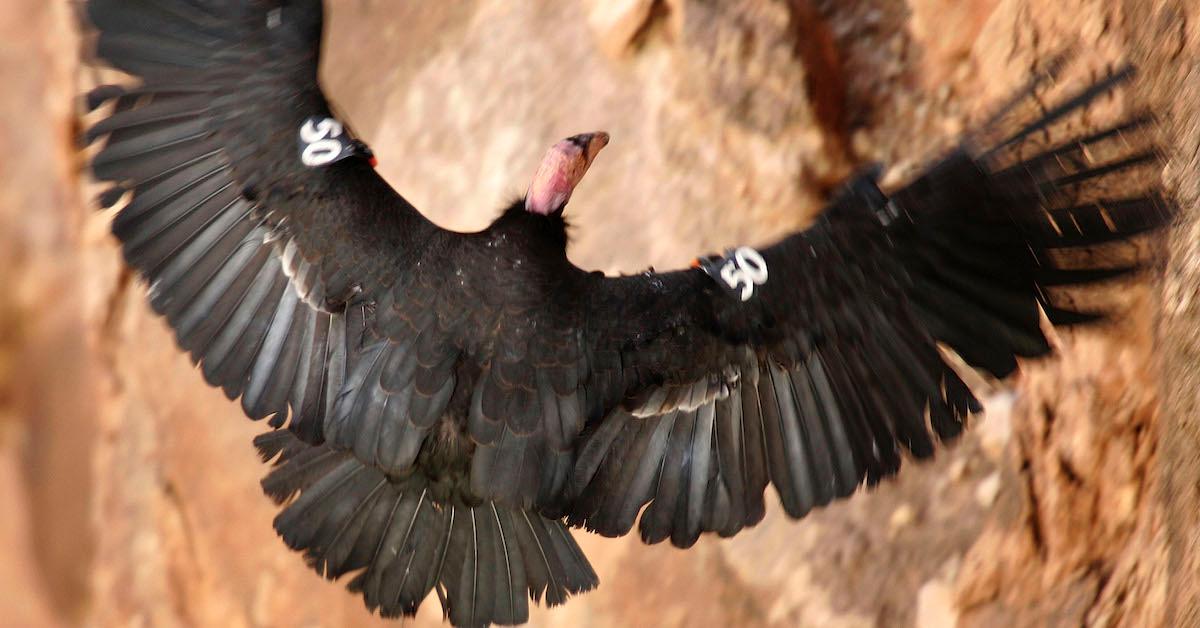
(935, 606)
(730, 122)
(617, 22)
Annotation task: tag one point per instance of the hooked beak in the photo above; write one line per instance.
(561, 170)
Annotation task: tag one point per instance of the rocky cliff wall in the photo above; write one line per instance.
(129, 490)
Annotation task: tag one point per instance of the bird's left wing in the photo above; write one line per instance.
(816, 382)
(814, 364)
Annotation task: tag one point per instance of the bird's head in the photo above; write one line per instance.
(561, 170)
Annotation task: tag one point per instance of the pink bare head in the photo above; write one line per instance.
(561, 170)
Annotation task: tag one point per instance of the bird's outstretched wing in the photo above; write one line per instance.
(814, 364)
(260, 224)
(301, 282)
(304, 283)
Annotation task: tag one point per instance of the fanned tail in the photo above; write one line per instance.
(485, 561)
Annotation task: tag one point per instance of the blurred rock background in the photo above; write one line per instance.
(129, 490)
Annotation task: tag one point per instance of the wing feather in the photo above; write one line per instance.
(251, 255)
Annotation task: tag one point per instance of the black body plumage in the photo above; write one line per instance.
(452, 402)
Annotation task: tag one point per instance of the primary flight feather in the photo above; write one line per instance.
(453, 401)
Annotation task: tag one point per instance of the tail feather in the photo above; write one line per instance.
(486, 561)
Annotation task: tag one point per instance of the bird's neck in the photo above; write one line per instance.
(535, 232)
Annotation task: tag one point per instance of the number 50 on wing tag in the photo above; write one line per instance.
(324, 141)
(739, 272)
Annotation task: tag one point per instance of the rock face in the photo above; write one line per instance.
(1072, 501)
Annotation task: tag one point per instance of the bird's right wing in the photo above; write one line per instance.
(261, 226)
(273, 249)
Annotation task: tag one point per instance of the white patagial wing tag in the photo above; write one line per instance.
(324, 141)
(738, 273)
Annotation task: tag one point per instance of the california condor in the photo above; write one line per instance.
(452, 402)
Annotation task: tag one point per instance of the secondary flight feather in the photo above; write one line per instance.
(447, 404)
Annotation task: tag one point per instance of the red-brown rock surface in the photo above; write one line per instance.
(129, 491)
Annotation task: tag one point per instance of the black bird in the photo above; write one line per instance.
(454, 401)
